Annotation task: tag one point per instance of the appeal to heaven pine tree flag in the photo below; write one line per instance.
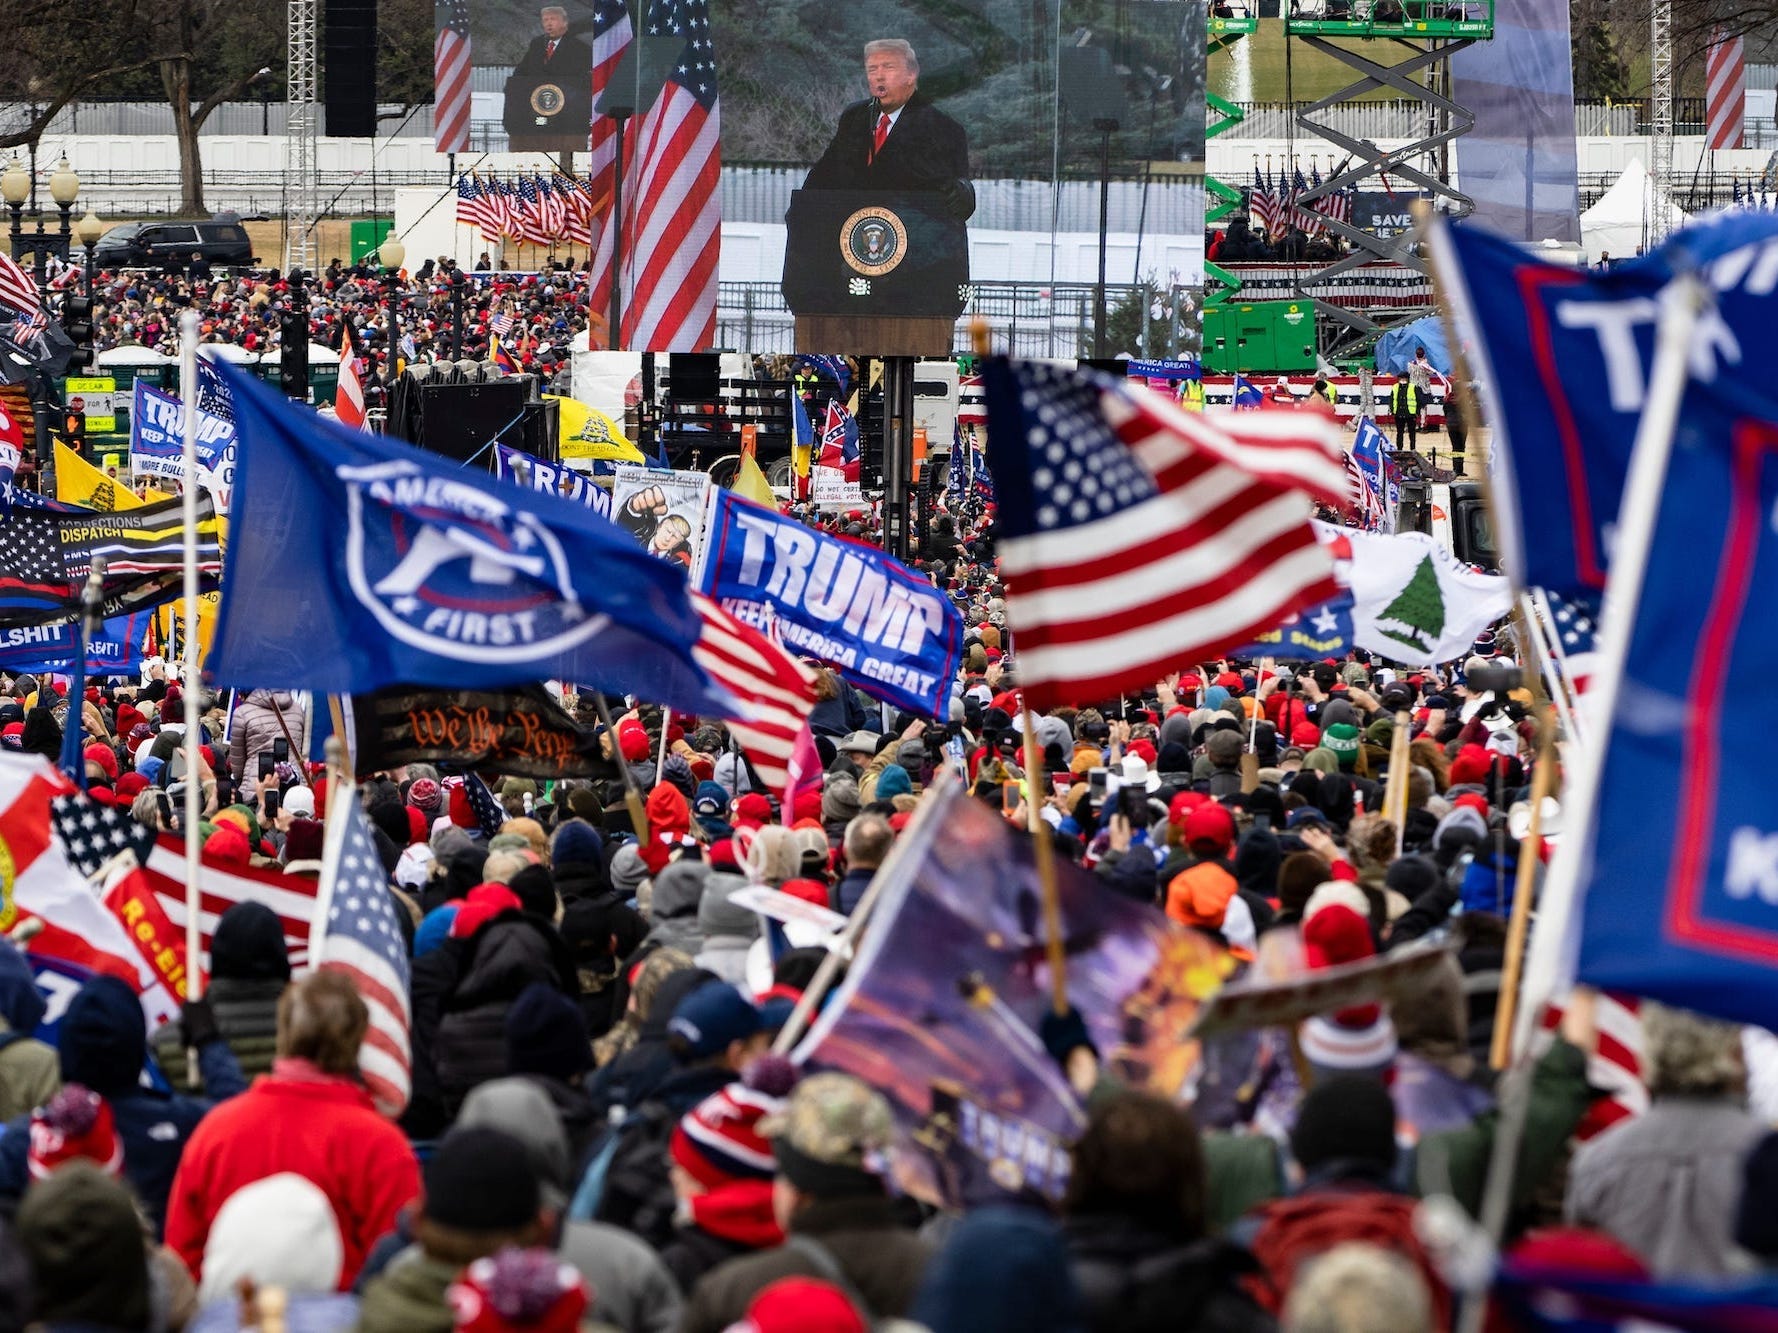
(1414, 602)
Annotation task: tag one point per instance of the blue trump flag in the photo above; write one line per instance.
(357, 563)
(886, 629)
(116, 651)
(1564, 357)
(1683, 907)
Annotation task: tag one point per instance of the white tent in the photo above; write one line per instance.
(133, 355)
(1618, 225)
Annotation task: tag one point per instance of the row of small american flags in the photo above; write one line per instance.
(533, 209)
(672, 205)
(1272, 201)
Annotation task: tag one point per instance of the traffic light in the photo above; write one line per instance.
(77, 323)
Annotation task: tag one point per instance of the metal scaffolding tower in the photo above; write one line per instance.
(1660, 92)
(1221, 116)
(1422, 37)
(302, 191)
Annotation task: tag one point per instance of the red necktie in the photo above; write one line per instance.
(881, 134)
(549, 52)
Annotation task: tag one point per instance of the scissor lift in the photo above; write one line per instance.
(1425, 34)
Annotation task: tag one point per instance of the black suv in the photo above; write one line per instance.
(153, 244)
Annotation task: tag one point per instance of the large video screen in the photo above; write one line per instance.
(880, 160)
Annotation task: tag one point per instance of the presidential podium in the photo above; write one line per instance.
(885, 272)
(546, 113)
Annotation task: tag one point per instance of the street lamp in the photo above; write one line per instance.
(15, 188)
(89, 230)
(391, 252)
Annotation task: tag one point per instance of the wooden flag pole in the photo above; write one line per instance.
(632, 797)
(1530, 852)
(1040, 831)
(1395, 792)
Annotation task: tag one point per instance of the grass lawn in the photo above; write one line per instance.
(1312, 74)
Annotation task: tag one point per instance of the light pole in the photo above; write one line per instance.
(88, 231)
(16, 186)
(392, 252)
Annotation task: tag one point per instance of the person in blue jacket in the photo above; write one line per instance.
(104, 1045)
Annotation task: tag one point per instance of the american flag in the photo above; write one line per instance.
(1312, 217)
(92, 833)
(527, 226)
(672, 199)
(552, 209)
(469, 201)
(18, 288)
(1725, 89)
(361, 938)
(1136, 536)
(450, 77)
(501, 324)
(488, 813)
(1299, 217)
(33, 571)
(1574, 621)
(1614, 1069)
(497, 209)
(1264, 202)
(778, 689)
(348, 394)
(612, 33)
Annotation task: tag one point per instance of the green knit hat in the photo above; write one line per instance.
(1342, 739)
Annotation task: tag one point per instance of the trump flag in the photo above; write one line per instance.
(361, 564)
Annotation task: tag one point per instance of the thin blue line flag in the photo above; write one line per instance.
(357, 563)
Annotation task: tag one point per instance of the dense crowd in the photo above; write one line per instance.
(245, 308)
(600, 1135)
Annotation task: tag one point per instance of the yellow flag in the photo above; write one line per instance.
(78, 482)
(751, 484)
(586, 432)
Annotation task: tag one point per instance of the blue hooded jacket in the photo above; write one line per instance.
(104, 1045)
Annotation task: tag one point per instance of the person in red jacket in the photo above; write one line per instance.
(311, 1118)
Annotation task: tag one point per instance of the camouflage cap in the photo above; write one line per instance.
(834, 1119)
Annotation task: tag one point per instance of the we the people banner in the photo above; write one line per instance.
(941, 1008)
(522, 732)
(885, 628)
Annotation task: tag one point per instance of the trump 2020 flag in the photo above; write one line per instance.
(361, 563)
(1564, 357)
(1679, 873)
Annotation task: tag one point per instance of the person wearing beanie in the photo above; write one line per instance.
(1003, 1269)
(426, 796)
(629, 1285)
(303, 840)
(518, 1291)
(82, 1237)
(712, 1034)
(547, 1045)
(498, 948)
(480, 1195)
(249, 969)
(839, 807)
(1344, 1144)
(313, 1117)
(1199, 894)
(830, 1145)
(803, 1305)
(29, 1072)
(103, 1046)
(1361, 1039)
(722, 1169)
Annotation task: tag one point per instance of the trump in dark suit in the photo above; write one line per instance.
(897, 140)
(556, 54)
